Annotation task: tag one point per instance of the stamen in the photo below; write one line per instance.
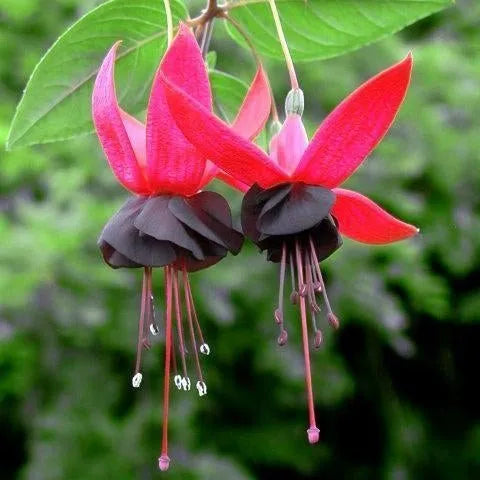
(294, 294)
(137, 377)
(283, 337)
(164, 460)
(332, 318)
(312, 432)
(178, 316)
(195, 317)
(316, 284)
(311, 292)
(149, 310)
(192, 331)
(154, 329)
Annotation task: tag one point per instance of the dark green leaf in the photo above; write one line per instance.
(56, 101)
(211, 59)
(318, 29)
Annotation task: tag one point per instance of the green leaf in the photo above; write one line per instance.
(319, 29)
(56, 103)
(228, 92)
(211, 59)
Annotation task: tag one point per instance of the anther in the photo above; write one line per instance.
(318, 339)
(294, 297)
(186, 384)
(303, 290)
(154, 329)
(313, 435)
(317, 286)
(178, 381)
(282, 338)
(294, 103)
(202, 388)
(137, 380)
(204, 349)
(163, 463)
(278, 316)
(333, 320)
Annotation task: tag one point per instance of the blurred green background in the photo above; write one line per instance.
(395, 387)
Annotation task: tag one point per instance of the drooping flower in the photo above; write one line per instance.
(169, 221)
(293, 207)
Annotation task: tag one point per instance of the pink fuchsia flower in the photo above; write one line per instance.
(169, 222)
(294, 207)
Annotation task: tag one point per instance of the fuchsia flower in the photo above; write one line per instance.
(169, 222)
(293, 207)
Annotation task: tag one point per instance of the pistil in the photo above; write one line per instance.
(164, 460)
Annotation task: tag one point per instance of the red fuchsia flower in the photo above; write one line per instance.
(169, 221)
(293, 207)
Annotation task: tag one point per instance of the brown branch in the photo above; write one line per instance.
(211, 11)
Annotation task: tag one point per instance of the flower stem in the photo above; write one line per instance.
(283, 43)
(245, 36)
(206, 37)
(168, 13)
(163, 460)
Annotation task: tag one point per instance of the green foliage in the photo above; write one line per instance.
(229, 93)
(319, 29)
(56, 101)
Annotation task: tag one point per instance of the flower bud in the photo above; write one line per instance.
(294, 102)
